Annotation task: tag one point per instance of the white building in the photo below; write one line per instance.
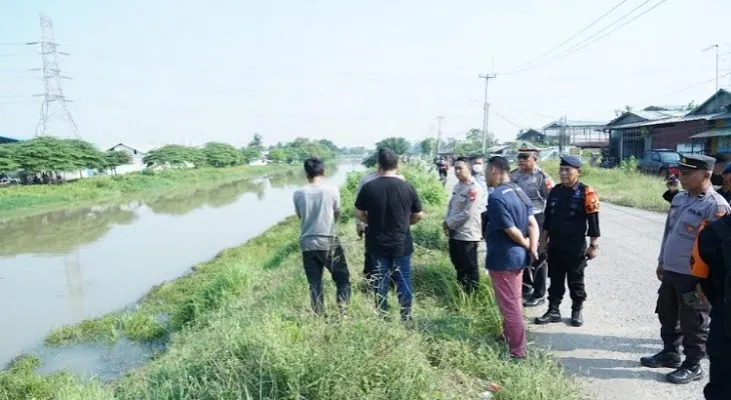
(137, 154)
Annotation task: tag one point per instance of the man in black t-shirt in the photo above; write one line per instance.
(390, 206)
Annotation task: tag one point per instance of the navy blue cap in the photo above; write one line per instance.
(727, 170)
(570, 161)
(696, 162)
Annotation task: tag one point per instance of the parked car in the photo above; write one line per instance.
(660, 162)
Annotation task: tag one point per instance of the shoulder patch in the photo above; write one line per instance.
(591, 201)
(472, 194)
(720, 211)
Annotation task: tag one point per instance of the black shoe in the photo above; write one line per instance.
(534, 302)
(685, 374)
(553, 315)
(576, 318)
(663, 359)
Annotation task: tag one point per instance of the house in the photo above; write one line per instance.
(703, 130)
(583, 134)
(531, 135)
(137, 154)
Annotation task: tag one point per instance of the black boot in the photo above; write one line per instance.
(576, 318)
(534, 301)
(553, 315)
(663, 359)
(687, 373)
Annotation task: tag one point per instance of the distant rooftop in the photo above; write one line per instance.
(576, 123)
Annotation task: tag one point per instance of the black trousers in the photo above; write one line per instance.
(683, 316)
(719, 384)
(464, 258)
(334, 260)
(566, 265)
(536, 277)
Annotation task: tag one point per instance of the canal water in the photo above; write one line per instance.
(65, 266)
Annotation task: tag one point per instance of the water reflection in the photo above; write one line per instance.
(69, 265)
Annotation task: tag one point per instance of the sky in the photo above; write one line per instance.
(150, 72)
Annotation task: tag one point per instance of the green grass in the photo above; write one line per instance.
(240, 327)
(618, 186)
(30, 199)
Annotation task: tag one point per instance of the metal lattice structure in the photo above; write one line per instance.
(54, 107)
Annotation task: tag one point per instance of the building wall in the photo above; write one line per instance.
(669, 137)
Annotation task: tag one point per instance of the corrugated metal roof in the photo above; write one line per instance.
(576, 123)
(667, 121)
(659, 114)
(713, 133)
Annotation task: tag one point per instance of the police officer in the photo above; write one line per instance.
(725, 189)
(478, 174)
(463, 225)
(572, 213)
(711, 262)
(536, 184)
(362, 229)
(682, 312)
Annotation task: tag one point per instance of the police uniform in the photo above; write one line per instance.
(711, 262)
(572, 213)
(368, 264)
(536, 184)
(464, 222)
(683, 314)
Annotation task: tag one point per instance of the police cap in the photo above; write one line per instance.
(570, 161)
(696, 162)
(526, 147)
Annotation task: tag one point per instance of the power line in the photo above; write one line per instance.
(578, 46)
(592, 23)
(53, 95)
(506, 119)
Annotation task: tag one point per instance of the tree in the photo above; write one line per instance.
(8, 161)
(249, 154)
(428, 146)
(114, 158)
(399, 145)
(257, 142)
(84, 155)
(278, 155)
(221, 155)
(472, 144)
(691, 106)
(175, 156)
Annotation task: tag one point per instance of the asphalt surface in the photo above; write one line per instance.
(620, 323)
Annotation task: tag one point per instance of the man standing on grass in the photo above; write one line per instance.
(536, 184)
(362, 228)
(572, 214)
(463, 225)
(512, 235)
(318, 207)
(682, 312)
(390, 206)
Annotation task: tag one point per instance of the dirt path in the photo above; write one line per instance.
(620, 323)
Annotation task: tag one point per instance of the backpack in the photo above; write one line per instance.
(723, 229)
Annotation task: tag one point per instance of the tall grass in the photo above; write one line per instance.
(24, 200)
(622, 186)
(237, 330)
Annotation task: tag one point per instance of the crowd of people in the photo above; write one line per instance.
(534, 229)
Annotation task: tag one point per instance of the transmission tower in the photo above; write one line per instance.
(55, 104)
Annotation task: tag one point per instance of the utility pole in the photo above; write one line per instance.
(439, 133)
(717, 58)
(485, 110)
(55, 104)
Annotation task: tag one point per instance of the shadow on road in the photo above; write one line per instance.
(607, 368)
(562, 341)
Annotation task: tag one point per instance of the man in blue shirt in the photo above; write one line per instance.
(512, 234)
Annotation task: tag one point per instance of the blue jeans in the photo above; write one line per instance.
(400, 270)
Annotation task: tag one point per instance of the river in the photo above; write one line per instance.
(66, 266)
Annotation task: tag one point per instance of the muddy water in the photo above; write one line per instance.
(66, 266)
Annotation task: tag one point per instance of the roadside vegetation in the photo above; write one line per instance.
(624, 186)
(240, 327)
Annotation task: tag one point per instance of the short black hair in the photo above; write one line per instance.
(501, 163)
(722, 158)
(314, 167)
(462, 159)
(387, 159)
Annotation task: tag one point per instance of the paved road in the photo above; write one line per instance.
(620, 324)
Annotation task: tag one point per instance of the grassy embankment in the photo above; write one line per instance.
(625, 187)
(30, 199)
(239, 327)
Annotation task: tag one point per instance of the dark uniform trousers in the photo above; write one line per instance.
(566, 265)
(683, 316)
(464, 258)
(314, 262)
(535, 278)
